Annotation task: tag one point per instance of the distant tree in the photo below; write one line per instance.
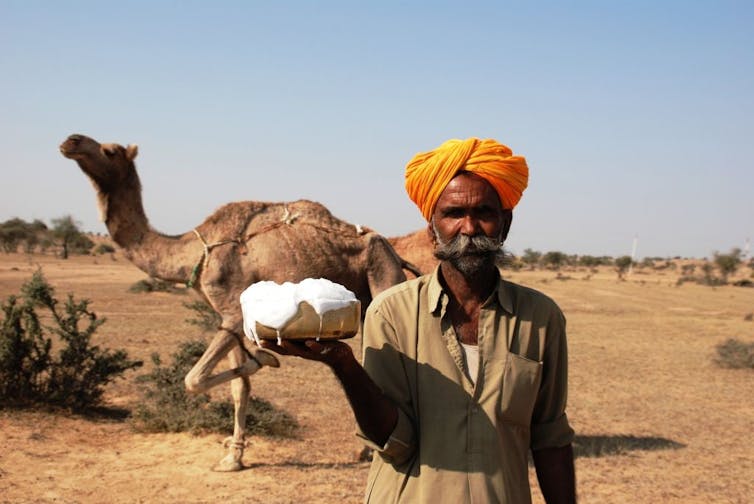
(81, 244)
(647, 262)
(30, 243)
(70, 238)
(622, 264)
(728, 263)
(688, 269)
(46, 242)
(709, 278)
(104, 248)
(531, 257)
(37, 235)
(592, 261)
(12, 233)
(554, 259)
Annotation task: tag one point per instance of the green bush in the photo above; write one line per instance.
(531, 257)
(167, 407)
(554, 259)
(621, 444)
(707, 276)
(592, 261)
(17, 231)
(155, 285)
(81, 245)
(207, 319)
(728, 263)
(622, 265)
(31, 374)
(103, 248)
(735, 354)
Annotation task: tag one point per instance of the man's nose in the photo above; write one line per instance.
(469, 226)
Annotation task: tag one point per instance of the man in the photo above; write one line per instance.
(463, 372)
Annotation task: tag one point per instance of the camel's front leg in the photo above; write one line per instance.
(200, 379)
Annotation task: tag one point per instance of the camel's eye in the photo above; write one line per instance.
(109, 152)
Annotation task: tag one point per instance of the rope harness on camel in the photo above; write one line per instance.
(287, 220)
(204, 261)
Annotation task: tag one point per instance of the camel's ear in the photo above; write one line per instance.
(108, 150)
(131, 151)
(383, 265)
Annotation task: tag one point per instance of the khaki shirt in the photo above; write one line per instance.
(456, 441)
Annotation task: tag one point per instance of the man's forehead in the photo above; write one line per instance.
(469, 186)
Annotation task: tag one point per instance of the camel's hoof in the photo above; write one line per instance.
(266, 358)
(365, 455)
(228, 464)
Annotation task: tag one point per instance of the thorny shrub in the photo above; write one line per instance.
(31, 373)
(735, 354)
(207, 319)
(167, 407)
(155, 285)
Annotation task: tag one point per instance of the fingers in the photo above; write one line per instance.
(306, 349)
(285, 347)
(309, 349)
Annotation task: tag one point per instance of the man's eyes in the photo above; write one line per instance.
(454, 213)
(486, 212)
(478, 213)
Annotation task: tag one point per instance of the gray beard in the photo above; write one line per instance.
(470, 255)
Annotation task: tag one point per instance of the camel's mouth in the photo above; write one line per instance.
(69, 146)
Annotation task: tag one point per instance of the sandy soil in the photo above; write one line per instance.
(642, 380)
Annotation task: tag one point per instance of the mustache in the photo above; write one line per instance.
(463, 245)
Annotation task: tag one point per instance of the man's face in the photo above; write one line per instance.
(469, 224)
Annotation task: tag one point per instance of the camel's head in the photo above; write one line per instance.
(108, 166)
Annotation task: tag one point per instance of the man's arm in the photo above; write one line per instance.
(556, 474)
(375, 413)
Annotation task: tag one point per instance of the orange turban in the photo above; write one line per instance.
(428, 173)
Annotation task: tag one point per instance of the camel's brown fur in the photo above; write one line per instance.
(416, 247)
(241, 243)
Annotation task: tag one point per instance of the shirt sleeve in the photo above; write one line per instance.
(386, 365)
(549, 427)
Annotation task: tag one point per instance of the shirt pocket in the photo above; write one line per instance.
(521, 379)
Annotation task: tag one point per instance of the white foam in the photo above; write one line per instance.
(273, 305)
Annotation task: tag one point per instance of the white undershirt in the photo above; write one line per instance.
(471, 355)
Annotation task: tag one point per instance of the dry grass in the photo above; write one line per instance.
(657, 419)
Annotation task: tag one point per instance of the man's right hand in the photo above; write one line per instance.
(334, 353)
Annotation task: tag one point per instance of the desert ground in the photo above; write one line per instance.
(657, 420)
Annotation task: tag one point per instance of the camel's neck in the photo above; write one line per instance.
(160, 256)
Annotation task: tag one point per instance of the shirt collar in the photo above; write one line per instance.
(436, 292)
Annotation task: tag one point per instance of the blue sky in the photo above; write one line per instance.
(635, 118)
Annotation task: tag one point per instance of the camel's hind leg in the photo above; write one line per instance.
(241, 391)
(200, 379)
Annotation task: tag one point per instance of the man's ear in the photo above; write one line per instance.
(507, 219)
(431, 234)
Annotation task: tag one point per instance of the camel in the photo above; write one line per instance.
(239, 244)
